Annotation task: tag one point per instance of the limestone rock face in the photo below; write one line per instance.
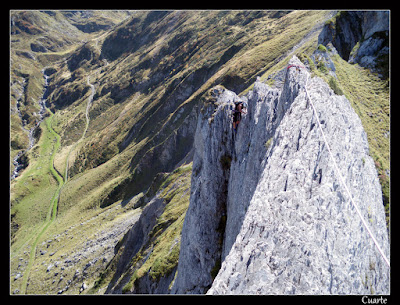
(202, 236)
(267, 206)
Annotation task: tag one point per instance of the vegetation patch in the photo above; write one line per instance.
(225, 162)
(369, 96)
(159, 257)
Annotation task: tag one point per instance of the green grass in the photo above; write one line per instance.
(52, 208)
(369, 96)
(32, 191)
(287, 36)
(322, 48)
(284, 35)
(164, 239)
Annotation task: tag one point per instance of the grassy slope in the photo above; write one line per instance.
(112, 119)
(159, 257)
(151, 108)
(34, 194)
(52, 210)
(26, 192)
(369, 96)
(27, 65)
(56, 32)
(27, 205)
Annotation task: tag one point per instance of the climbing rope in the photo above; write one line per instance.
(338, 171)
(295, 66)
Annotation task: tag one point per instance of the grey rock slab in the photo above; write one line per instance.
(301, 234)
(268, 213)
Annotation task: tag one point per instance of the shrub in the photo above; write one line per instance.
(322, 48)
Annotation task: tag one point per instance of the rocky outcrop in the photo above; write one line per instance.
(344, 31)
(360, 37)
(201, 243)
(135, 238)
(268, 214)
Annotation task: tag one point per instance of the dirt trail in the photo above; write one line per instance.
(89, 104)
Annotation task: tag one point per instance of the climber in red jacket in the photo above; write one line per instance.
(237, 115)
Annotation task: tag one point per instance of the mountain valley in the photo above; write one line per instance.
(105, 108)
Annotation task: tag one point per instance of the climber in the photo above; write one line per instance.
(237, 114)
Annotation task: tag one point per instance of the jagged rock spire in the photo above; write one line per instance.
(290, 228)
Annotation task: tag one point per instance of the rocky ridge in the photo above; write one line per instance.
(142, 127)
(267, 213)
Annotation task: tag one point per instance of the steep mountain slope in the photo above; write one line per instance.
(38, 39)
(126, 90)
(267, 205)
(149, 74)
(162, 62)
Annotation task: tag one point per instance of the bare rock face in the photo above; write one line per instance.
(268, 213)
(201, 242)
